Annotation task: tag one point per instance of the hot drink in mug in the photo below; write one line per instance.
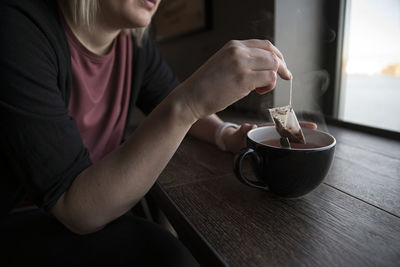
(287, 172)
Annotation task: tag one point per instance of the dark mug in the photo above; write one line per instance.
(287, 172)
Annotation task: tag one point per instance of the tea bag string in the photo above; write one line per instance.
(291, 89)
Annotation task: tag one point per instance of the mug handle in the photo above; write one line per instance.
(238, 168)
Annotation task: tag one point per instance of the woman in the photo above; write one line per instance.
(70, 72)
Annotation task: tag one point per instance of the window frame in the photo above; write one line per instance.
(335, 13)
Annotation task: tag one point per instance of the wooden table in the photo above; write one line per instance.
(352, 219)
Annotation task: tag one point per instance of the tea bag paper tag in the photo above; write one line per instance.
(286, 123)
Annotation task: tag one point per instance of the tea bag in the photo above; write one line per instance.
(286, 123)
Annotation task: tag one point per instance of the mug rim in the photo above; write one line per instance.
(294, 149)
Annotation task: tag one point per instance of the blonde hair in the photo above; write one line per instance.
(84, 12)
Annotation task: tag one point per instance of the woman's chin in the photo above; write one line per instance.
(140, 23)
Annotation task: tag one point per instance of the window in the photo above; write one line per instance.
(370, 82)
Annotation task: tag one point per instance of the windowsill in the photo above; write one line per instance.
(322, 122)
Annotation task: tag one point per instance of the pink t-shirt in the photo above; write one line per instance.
(100, 93)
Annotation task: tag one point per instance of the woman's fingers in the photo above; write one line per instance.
(257, 63)
(246, 127)
(273, 48)
(232, 73)
(260, 59)
(308, 124)
(266, 124)
(264, 81)
(284, 72)
(274, 56)
(264, 90)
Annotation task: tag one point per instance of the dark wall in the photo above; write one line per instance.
(302, 34)
(298, 28)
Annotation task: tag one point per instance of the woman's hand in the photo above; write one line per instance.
(232, 73)
(235, 138)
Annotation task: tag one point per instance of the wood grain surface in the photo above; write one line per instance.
(367, 167)
(352, 219)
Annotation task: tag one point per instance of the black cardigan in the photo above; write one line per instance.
(41, 148)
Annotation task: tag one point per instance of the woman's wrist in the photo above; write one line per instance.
(178, 104)
(219, 134)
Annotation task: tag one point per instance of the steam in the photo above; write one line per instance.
(313, 86)
(308, 91)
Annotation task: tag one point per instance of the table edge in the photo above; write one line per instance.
(201, 249)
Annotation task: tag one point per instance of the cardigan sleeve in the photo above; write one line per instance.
(158, 79)
(40, 140)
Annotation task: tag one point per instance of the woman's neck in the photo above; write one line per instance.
(97, 39)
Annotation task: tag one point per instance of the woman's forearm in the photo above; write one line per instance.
(205, 128)
(112, 186)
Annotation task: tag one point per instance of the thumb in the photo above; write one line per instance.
(247, 127)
